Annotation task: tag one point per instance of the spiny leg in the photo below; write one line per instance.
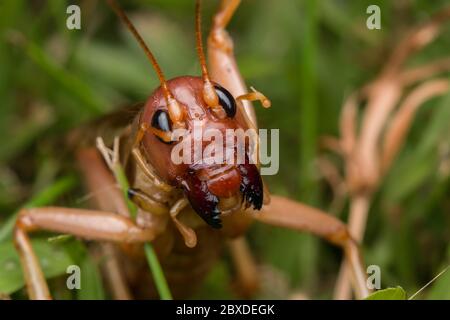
(286, 213)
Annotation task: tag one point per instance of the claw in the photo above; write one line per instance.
(251, 186)
(202, 200)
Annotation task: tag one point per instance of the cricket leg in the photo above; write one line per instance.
(356, 223)
(286, 213)
(105, 196)
(224, 70)
(148, 172)
(245, 265)
(84, 223)
(87, 224)
(222, 63)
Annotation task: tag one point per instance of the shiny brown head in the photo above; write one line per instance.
(210, 188)
(190, 103)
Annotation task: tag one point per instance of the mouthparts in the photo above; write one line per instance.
(205, 191)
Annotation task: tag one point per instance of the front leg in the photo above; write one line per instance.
(87, 224)
(110, 223)
(280, 212)
(286, 213)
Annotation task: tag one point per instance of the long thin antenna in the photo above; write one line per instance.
(209, 93)
(176, 113)
(118, 10)
(198, 33)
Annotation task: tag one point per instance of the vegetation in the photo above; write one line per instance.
(306, 56)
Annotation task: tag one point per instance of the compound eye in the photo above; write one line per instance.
(161, 121)
(226, 100)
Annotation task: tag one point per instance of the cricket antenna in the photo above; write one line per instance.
(209, 93)
(175, 112)
(198, 33)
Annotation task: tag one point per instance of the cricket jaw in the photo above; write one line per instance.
(201, 199)
(206, 204)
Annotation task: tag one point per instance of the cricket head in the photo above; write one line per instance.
(217, 171)
(210, 156)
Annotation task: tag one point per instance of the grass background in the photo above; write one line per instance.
(306, 56)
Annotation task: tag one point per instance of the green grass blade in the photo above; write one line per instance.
(91, 281)
(308, 104)
(121, 179)
(71, 84)
(157, 272)
(53, 259)
(152, 259)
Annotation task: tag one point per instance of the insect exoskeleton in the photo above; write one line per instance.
(205, 157)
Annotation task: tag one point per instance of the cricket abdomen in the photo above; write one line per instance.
(184, 268)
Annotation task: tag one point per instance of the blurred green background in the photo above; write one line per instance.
(306, 56)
